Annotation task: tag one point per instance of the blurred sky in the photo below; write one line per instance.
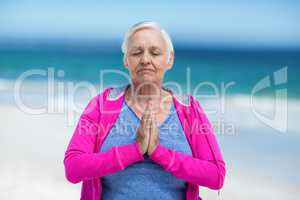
(271, 23)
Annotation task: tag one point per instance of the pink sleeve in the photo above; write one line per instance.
(207, 170)
(80, 161)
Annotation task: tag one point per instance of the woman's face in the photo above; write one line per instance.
(147, 56)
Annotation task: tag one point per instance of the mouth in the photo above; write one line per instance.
(145, 70)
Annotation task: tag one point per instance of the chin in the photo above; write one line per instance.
(143, 79)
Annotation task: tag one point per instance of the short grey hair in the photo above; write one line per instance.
(147, 24)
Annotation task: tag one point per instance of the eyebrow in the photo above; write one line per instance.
(137, 48)
(151, 47)
(155, 48)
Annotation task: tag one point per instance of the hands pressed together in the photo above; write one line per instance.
(148, 132)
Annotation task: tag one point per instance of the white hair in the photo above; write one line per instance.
(147, 24)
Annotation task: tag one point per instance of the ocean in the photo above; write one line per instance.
(244, 67)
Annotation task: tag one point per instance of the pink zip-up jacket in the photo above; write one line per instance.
(83, 161)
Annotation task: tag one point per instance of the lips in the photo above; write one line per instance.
(146, 70)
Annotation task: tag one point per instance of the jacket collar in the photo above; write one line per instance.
(117, 94)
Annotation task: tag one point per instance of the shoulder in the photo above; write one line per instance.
(115, 93)
(109, 93)
(180, 98)
(183, 99)
(189, 103)
(97, 104)
(195, 104)
(186, 100)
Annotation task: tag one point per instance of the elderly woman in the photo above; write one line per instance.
(142, 141)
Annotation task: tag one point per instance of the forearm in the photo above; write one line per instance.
(81, 165)
(197, 171)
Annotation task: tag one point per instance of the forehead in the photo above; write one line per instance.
(147, 37)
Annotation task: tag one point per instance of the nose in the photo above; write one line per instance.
(145, 59)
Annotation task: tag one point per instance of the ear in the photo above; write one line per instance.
(170, 60)
(125, 61)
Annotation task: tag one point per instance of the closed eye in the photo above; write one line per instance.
(156, 53)
(136, 53)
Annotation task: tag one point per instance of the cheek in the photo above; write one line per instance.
(161, 62)
(132, 62)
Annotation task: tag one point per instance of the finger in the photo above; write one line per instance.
(152, 116)
(145, 119)
(146, 115)
(147, 122)
(152, 122)
(155, 126)
(146, 112)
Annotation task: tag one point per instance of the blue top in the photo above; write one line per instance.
(144, 179)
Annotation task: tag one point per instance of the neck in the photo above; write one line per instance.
(140, 94)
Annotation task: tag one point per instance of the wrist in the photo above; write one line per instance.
(140, 148)
(153, 149)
